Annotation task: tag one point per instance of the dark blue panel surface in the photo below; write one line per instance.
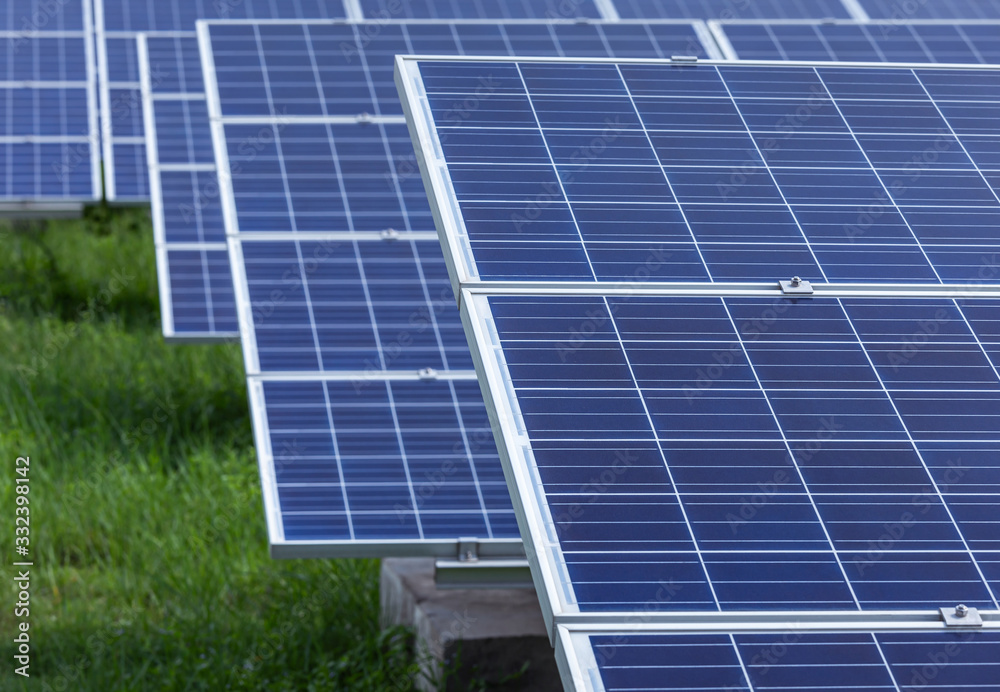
(895, 42)
(181, 15)
(932, 9)
(31, 16)
(191, 209)
(201, 292)
(388, 461)
(317, 69)
(45, 111)
(727, 9)
(479, 9)
(131, 172)
(182, 132)
(730, 173)
(175, 64)
(361, 306)
(122, 60)
(798, 661)
(326, 178)
(767, 453)
(40, 171)
(39, 58)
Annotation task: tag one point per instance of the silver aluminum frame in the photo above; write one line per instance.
(717, 27)
(555, 589)
(163, 248)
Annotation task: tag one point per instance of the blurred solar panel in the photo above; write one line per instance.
(118, 23)
(49, 158)
(932, 9)
(942, 42)
(727, 9)
(783, 661)
(607, 173)
(391, 10)
(196, 285)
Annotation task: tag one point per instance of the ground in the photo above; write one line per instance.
(151, 569)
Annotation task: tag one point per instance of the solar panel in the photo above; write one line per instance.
(196, 285)
(727, 9)
(118, 24)
(788, 660)
(932, 9)
(48, 141)
(388, 10)
(325, 210)
(689, 442)
(717, 173)
(897, 41)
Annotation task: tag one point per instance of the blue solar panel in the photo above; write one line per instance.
(26, 17)
(728, 9)
(385, 461)
(864, 42)
(391, 10)
(932, 9)
(766, 453)
(196, 286)
(118, 23)
(603, 172)
(48, 139)
(306, 70)
(791, 661)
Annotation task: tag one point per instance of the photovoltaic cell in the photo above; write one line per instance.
(118, 24)
(932, 9)
(196, 285)
(766, 453)
(48, 139)
(791, 660)
(864, 42)
(305, 70)
(727, 9)
(606, 173)
(391, 10)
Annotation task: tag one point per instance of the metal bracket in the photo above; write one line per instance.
(468, 550)
(683, 58)
(961, 616)
(364, 118)
(389, 234)
(796, 286)
(428, 374)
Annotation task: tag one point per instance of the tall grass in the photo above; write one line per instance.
(151, 567)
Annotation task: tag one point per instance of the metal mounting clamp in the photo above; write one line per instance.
(468, 550)
(427, 374)
(796, 286)
(961, 616)
(683, 58)
(389, 234)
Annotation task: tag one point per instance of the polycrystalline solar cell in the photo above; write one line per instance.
(932, 9)
(366, 305)
(384, 461)
(767, 454)
(45, 111)
(131, 172)
(305, 70)
(727, 9)
(181, 15)
(30, 16)
(125, 116)
(295, 177)
(478, 9)
(175, 64)
(895, 42)
(603, 172)
(39, 171)
(123, 59)
(191, 209)
(200, 284)
(795, 661)
(44, 58)
(183, 133)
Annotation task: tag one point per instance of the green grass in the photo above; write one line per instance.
(151, 567)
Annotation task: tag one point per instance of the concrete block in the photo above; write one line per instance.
(463, 636)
